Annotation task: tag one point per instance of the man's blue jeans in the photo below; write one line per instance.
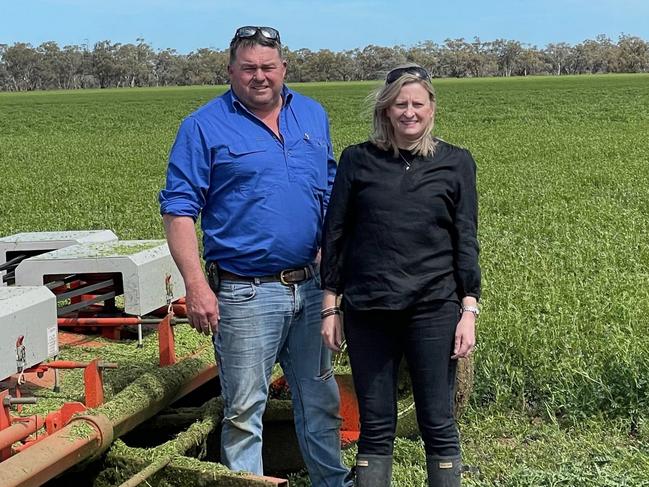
(262, 323)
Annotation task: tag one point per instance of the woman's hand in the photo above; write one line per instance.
(332, 333)
(464, 336)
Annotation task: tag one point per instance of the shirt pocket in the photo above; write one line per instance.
(253, 166)
(308, 161)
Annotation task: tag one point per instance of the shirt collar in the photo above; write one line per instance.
(287, 96)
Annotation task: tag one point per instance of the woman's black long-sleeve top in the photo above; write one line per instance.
(393, 236)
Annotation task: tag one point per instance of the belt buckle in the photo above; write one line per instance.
(281, 277)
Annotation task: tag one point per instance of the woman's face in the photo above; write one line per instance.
(411, 113)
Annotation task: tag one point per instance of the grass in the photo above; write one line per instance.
(138, 370)
(564, 227)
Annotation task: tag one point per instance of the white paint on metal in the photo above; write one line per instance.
(47, 241)
(143, 264)
(29, 312)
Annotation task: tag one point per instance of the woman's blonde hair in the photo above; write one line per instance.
(383, 132)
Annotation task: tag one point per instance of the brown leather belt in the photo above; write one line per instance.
(286, 277)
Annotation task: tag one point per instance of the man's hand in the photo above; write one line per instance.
(202, 308)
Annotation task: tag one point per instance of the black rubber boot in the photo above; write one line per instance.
(444, 471)
(373, 470)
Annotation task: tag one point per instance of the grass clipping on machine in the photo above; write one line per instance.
(123, 462)
(138, 378)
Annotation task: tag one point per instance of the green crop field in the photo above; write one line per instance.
(562, 370)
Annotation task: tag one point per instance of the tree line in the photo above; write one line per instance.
(107, 65)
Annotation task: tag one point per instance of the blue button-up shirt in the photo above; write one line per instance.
(261, 198)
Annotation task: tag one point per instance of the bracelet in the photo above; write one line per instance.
(330, 308)
(334, 310)
(471, 309)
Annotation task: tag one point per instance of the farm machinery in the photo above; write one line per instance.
(55, 287)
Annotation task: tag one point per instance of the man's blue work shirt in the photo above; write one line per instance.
(261, 199)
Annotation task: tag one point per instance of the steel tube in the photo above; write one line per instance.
(84, 303)
(116, 321)
(56, 453)
(126, 423)
(12, 262)
(69, 364)
(53, 455)
(10, 401)
(87, 289)
(55, 284)
(19, 431)
(152, 469)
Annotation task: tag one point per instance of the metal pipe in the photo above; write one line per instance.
(62, 282)
(84, 303)
(10, 401)
(12, 262)
(152, 469)
(83, 438)
(57, 377)
(76, 442)
(126, 423)
(69, 364)
(87, 289)
(19, 431)
(116, 321)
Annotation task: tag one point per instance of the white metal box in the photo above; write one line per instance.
(30, 313)
(145, 266)
(33, 243)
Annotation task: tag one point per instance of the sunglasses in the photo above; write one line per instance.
(396, 73)
(251, 31)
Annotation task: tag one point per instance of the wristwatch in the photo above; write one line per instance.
(471, 309)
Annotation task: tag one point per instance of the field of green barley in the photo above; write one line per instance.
(561, 396)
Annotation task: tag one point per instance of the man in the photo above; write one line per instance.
(257, 165)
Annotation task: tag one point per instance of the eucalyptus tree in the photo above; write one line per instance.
(21, 63)
(633, 54)
(558, 55)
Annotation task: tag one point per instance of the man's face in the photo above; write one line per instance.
(257, 76)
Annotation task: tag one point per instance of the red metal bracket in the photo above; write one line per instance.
(94, 384)
(350, 427)
(58, 419)
(92, 377)
(166, 344)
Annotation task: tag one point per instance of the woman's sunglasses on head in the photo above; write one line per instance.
(396, 73)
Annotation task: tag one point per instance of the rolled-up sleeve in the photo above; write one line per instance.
(188, 173)
(336, 226)
(467, 248)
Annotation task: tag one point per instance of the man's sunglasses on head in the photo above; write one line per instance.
(251, 31)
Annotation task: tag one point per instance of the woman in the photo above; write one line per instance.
(400, 243)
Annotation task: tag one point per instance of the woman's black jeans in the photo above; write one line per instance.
(377, 341)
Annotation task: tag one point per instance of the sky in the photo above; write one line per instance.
(188, 25)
